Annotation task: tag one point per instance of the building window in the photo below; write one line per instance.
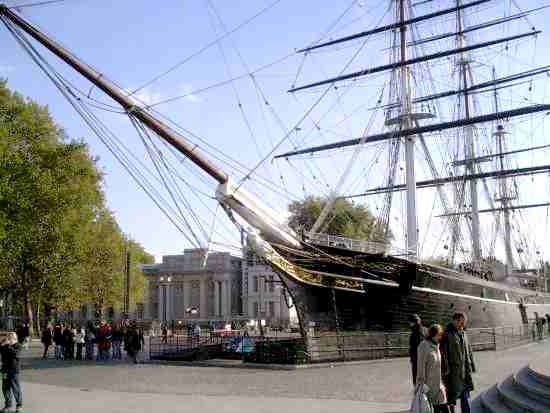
(272, 309)
(255, 283)
(256, 310)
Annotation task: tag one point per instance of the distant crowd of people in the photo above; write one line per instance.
(100, 341)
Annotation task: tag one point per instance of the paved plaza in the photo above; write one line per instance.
(376, 386)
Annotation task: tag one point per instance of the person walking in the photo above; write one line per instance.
(89, 340)
(418, 333)
(47, 339)
(104, 341)
(79, 341)
(11, 365)
(68, 343)
(539, 326)
(23, 334)
(458, 364)
(59, 342)
(429, 369)
(164, 334)
(117, 338)
(133, 343)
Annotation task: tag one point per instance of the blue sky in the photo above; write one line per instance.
(133, 41)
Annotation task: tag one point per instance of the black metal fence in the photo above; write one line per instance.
(341, 346)
(346, 346)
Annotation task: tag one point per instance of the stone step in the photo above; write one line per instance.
(491, 402)
(531, 386)
(515, 398)
(476, 406)
(538, 376)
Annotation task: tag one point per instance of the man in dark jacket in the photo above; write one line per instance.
(133, 342)
(418, 333)
(9, 350)
(457, 364)
(59, 342)
(47, 338)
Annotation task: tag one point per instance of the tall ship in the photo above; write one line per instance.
(451, 158)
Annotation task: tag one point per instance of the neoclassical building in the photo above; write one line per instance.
(225, 287)
(184, 287)
(264, 296)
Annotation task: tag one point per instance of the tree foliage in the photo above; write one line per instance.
(347, 219)
(58, 242)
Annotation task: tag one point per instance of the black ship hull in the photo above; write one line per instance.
(434, 293)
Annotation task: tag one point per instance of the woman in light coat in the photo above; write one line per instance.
(429, 369)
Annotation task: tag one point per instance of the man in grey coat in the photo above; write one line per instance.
(457, 364)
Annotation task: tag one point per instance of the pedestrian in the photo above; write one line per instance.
(429, 369)
(117, 338)
(164, 334)
(458, 364)
(133, 343)
(47, 339)
(89, 340)
(539, 326)
(418, 333)
(103, 339)
(548, 322)
(79, 341)
(23, 335)
(11, 365)
(68, 343)
(59, 342)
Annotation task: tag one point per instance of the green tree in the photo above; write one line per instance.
(103, 266)
(347, 219)
(49, 190)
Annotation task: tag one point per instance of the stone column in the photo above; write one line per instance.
(229, 298)
(223, 298)
(186, 297)
(216, 299)
(169, 302)
(161, 303)
(203, 305)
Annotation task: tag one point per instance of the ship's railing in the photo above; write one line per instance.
(369, 247)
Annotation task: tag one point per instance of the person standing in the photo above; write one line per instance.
(47, 338)
(59, 342)
(68, 343)
(117, 342)
(164, 334)
(418, 333)
(89, 340)
(79, 341)
(23, 335)
(133, 343)
(9, 350)
(458, 364)
(429, 369)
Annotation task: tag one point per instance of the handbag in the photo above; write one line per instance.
(420, 402)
